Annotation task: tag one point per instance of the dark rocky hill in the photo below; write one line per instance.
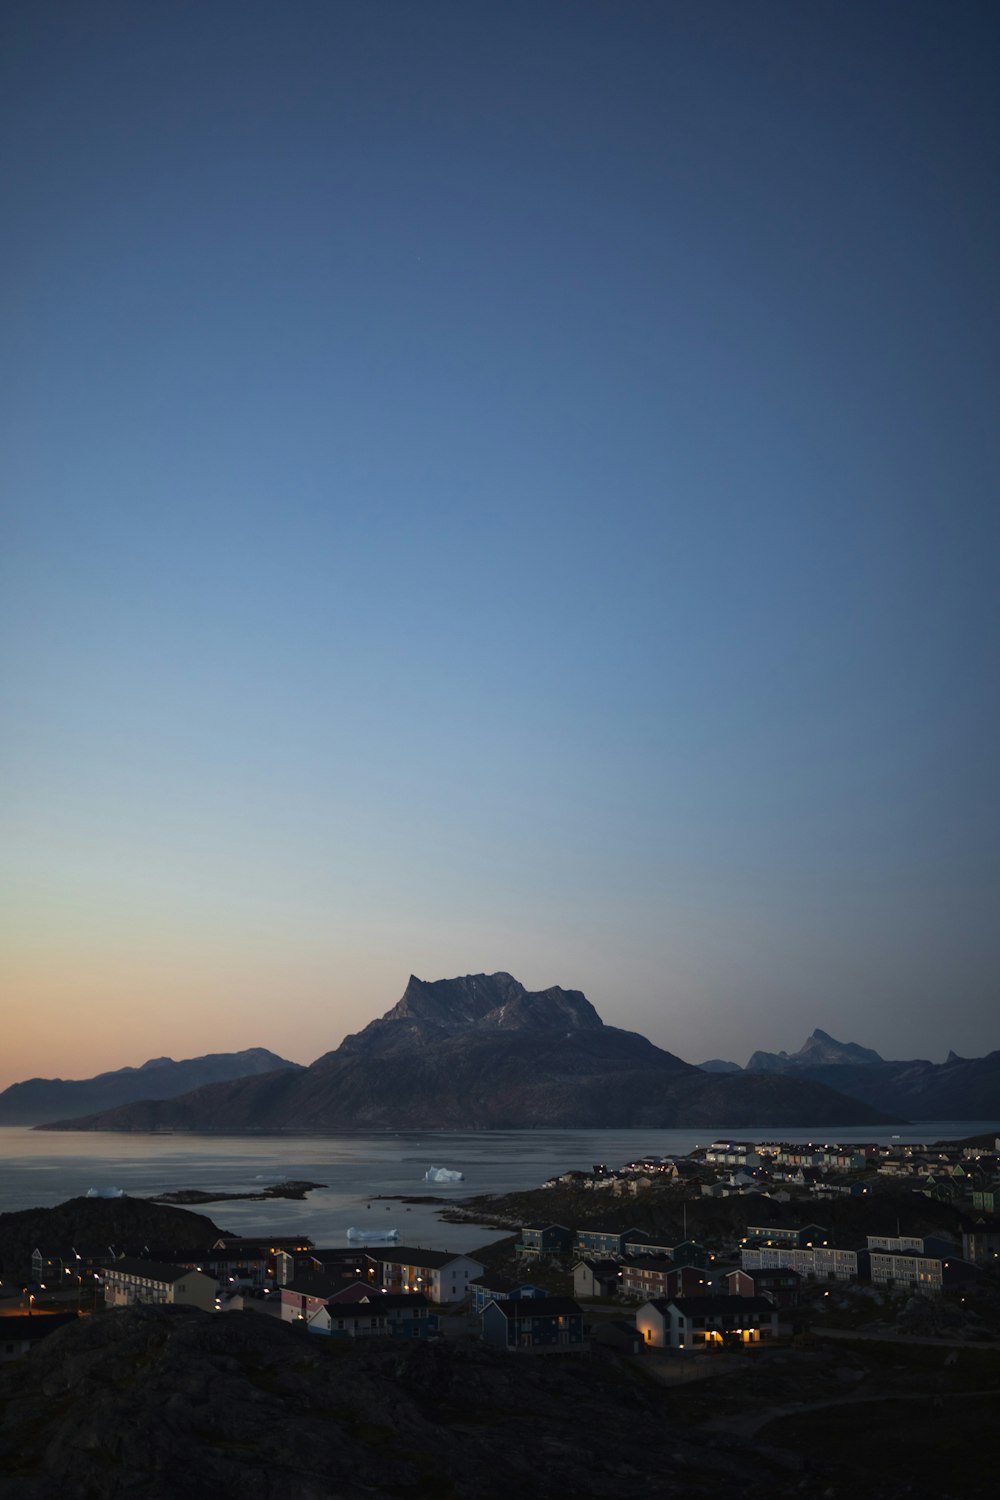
(162, 1402)
(94, 1224)
(483, 1053)
(166, 1402)
(40, 1099)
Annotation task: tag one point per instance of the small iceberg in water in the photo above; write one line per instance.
(374, 1236)
(105, 1192)
(443, 1174)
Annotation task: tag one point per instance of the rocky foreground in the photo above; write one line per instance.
(161, 1402)
(169, 1401)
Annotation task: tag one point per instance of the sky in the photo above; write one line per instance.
(498, 486)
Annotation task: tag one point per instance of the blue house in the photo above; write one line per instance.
(489, 1288)
(536, 1325)
(604, 1242)
(543, 1239)
(684, 1252)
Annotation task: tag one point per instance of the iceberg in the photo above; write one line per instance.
(105, 1192)
(443, 1174)
(374, 1236)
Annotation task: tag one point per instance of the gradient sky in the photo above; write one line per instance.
(499, 486)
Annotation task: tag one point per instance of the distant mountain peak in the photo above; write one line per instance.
(819, 1048)
(431, 1010)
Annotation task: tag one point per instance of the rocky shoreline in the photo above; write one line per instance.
(183, 1197)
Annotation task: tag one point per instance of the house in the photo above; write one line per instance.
(652, 1276)
(491, 1287)
(66, 1268)
(801, 1237)
(687, 1172)
(821, 1263)
(597, 1278)
(537, 1325)
(356, 1291)
(779, 1285)
(376, 1315)
(888, 1268)
(604, 1242)
(981, 1243)
(441, 1275)
(732, 1154)
(128, 1281)
(693, 1323)
(340, 1265)
(302, 1298)
(542, 1240)
(252, 1261)
(901, 1244)
(683, 1252)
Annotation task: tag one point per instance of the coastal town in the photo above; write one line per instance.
(752, 1318)
(732, 1246)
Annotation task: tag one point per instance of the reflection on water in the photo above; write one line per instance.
(42, 1168)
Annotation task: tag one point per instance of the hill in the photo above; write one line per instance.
(40, 1099)
(96, 1223)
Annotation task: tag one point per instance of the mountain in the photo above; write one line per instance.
(719, 1065)
(959, 1088)
(483, 1053)
(41, 1099)
(818, 1050)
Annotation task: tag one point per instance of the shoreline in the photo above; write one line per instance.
(185, 1197)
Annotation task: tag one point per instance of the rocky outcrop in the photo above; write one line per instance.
(162, 1402)
(167, 1402)
(95, 1224)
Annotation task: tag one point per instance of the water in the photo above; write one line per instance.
(43, 1168)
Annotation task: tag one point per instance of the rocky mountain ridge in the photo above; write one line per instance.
(41, 1099)
(818, 1050)
(480, 1052)
(958, 1088)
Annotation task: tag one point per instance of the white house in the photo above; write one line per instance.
(128, 1281)
(925, 1273)
(690, 1324)
(439, 1274)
